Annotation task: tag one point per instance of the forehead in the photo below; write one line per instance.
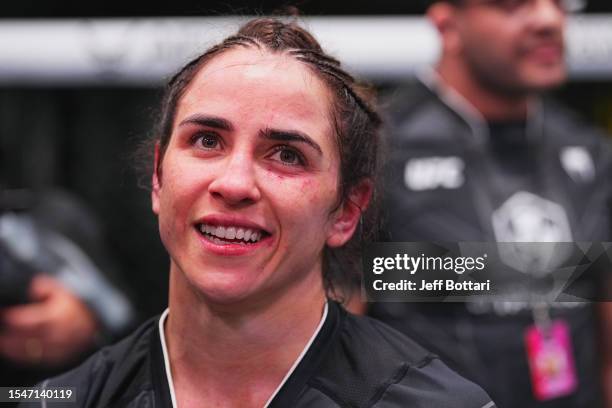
(249, 80)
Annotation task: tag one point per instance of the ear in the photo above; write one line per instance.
(347, 217)
(443, 16)
(155, 182)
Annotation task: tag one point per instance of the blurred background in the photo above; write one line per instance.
(79, 88)
(79, 84)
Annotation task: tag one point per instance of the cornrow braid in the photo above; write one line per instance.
(354, 119)
(330, 66)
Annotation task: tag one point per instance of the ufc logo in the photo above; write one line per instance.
(429, 173)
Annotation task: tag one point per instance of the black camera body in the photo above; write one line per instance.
(15, 280)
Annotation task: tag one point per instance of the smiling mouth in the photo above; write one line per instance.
(227, 235)
(548, 49)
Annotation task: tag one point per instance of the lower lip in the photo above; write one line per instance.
(232, 249)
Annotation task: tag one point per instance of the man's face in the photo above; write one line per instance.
(512, 46)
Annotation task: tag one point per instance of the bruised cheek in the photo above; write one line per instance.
(276, 176)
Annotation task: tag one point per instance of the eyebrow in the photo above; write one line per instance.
(290, 136)
(268, 133)
(208, 121)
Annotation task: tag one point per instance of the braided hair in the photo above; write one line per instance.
(356, 125)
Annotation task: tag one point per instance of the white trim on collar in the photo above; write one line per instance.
(300, 357)
(162, 338)
(472, 116)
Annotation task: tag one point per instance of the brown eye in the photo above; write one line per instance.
(206, 140)
(288, 156)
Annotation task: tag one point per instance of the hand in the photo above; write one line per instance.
(51, 331)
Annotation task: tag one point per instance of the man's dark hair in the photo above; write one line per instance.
(427, 3)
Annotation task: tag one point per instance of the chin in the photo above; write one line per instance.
(227, 287)
(223, 294)
(546, 79)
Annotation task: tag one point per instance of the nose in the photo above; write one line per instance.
(237, 184)
(548, 14)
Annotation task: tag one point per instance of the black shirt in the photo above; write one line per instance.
(352, 362)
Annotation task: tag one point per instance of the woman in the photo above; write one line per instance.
(265, 161)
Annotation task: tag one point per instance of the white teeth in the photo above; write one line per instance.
(221, 232)
(240, 233)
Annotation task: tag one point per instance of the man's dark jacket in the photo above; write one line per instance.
(448, 173)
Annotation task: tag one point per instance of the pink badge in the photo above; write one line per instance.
(551, 361)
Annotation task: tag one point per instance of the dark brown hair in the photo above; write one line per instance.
(355, 121)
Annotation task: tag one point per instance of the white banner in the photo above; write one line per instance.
(146, 51)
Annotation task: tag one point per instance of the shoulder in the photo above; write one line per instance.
(414, 113)
(373, 365)
(568, 131)
(569, 126)
(115, 373)
(406, 99)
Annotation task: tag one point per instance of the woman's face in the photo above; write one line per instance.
(249, 178)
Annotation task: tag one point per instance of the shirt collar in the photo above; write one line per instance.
(296, 363)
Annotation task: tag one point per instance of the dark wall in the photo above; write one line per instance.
(82, 140)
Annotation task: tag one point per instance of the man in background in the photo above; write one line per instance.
(479, 155)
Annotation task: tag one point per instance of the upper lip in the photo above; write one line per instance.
(231, 221)
(558, 45)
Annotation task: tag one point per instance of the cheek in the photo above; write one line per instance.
(317, 194)
(180, 191)
(309, 187)
(491, 36)
(307, 205)
(505, 39)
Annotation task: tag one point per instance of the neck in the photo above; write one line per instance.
(237, 355)
(492, 104)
